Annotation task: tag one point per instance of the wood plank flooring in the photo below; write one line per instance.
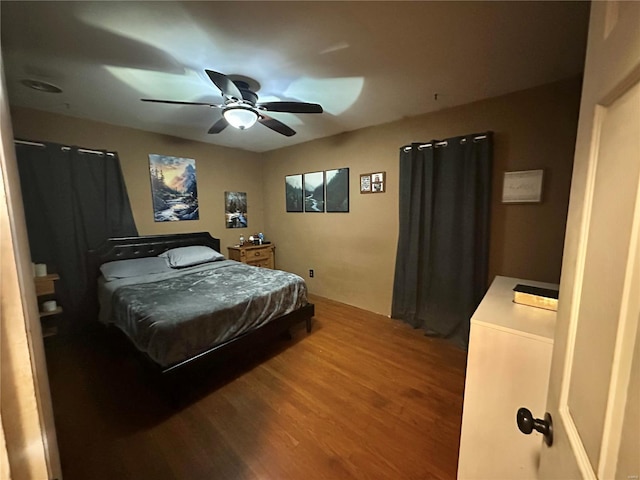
(361, 397)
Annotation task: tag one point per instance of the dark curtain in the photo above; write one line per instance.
(443, 243)
(73, 200)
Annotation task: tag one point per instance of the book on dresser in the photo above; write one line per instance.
(256, 255)
(546, 298)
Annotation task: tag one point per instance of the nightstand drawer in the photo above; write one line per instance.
(261, 263)
(256, 255)
(253, 255)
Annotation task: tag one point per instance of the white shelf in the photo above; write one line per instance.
(57, 311)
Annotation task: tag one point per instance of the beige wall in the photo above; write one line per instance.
(219, 169)
(353, 254)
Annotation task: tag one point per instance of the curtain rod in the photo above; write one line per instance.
(63, 147)
(444, 143)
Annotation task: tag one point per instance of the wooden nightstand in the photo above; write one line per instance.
(256, 255)
(45, 290)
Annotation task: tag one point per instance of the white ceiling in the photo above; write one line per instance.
(366, 63)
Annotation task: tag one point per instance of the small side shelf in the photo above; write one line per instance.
(45, 285)
(57, 311)
(45, 290)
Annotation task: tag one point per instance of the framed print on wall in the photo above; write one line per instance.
(337, 190)
(294, 197)
(373, 182)
(314, 192)
(235, 209)
(174, 188)
(522, 187)
(365, 183)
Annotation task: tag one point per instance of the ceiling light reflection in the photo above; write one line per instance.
(335, 95)
(170, 86)
(334, 48)
(136, 21)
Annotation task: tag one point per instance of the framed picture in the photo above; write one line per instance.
(337, 188)
(377, 187)
(314, 192)
(365, 183)
(235, 209)
(294, 197)
(373, 182)
(522, 187)
(174, 188)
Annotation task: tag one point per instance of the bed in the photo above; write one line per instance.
(186, 313)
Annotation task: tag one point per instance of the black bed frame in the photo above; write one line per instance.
(148, 246)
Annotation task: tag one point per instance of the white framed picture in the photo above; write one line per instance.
(522, 187)
(365, 183)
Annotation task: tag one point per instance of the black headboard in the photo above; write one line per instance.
(124, 248)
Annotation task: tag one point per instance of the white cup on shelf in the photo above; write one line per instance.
(49, 306)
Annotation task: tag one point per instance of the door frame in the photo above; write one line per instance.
(602, 87)
(27, 414)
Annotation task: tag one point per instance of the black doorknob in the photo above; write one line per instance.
(527, 424)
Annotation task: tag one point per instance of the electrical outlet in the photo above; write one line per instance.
(311, 273)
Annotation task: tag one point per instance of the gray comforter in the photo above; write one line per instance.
(174, 316)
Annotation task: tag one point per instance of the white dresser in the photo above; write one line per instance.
(508, 367)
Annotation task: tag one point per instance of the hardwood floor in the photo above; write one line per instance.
(362, 396)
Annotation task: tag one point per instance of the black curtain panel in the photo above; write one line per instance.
(443, 244)
(74, 200)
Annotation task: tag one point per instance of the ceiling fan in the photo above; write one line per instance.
(241, 108)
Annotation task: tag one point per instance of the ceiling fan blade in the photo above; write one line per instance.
(175, 102)
(291, 107)
(226, 86)
(276, 125)
(218, 126)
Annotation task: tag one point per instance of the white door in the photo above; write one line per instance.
(595, 374)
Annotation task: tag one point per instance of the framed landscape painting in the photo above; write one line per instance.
(337, 190)
(314, 192)
(294, 194)
(174, 188)
(235, 209)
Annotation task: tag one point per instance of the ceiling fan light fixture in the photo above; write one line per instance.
(240, 117)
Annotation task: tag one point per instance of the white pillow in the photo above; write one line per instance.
(189, 256)
(133, 267)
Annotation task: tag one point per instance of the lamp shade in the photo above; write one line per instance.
(240, 117)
